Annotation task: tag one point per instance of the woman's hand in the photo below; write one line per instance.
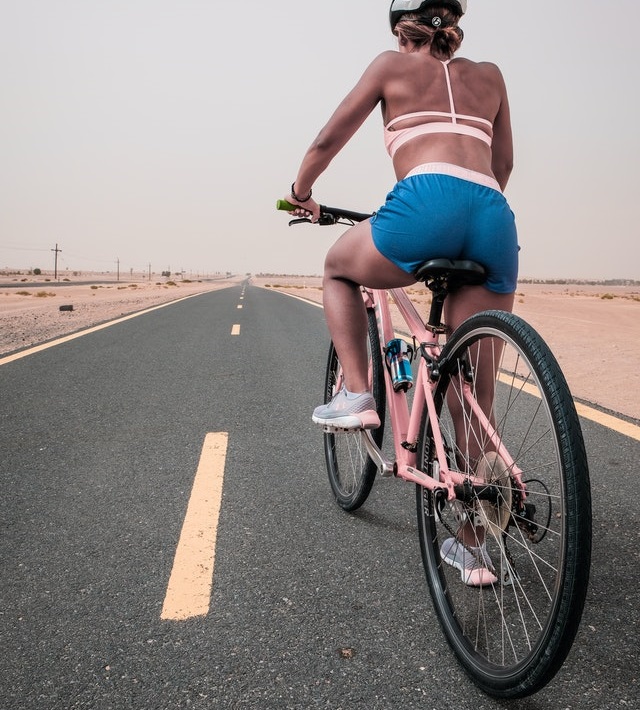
(309, 209)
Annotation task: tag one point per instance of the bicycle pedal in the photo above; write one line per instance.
(327, 429)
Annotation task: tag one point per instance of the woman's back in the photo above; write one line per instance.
(417, 82)
(459, 102)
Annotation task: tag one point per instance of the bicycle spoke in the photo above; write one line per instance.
(511, 635)
(351, 471)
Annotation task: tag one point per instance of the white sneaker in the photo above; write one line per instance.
(475, 566)
(348, 411)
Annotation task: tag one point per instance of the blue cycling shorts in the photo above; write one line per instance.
(432, 216)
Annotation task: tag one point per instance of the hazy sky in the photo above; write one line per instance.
(162, 131)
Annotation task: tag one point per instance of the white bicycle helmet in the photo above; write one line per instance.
(401, 7)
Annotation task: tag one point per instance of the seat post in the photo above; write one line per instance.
(437, 305)
(443, 276)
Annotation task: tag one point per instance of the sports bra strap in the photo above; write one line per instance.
(452, 107)
(443, 114)
(396, 138)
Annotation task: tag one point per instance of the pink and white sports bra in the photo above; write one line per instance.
(393, 139)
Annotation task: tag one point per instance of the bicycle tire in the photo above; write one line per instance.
(512, 637)
(351, 471)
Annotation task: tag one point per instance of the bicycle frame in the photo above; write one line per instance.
(405, 423)
(510, 608)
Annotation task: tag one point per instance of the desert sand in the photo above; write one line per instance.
(593, 331)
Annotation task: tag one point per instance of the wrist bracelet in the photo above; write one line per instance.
(299, 199)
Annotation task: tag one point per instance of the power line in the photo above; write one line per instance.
(4, 246)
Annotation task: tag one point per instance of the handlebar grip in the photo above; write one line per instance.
(284, 205)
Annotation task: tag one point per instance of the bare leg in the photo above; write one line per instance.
(469, 300)
(458, 307)
(351, 262)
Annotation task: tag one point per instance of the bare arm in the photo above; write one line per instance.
(502, 146)
(345, 121)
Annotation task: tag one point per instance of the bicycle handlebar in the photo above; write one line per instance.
(328, 215)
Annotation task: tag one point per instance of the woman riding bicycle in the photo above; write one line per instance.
(448, 131)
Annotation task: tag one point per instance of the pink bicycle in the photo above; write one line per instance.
(513, 472)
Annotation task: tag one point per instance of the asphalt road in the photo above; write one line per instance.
(311, 607)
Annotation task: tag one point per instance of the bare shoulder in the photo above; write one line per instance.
(387, 60)
(486, 72)
(487, 69)
(389, 66)
(490, 69)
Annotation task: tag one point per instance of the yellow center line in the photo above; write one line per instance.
(189, 589)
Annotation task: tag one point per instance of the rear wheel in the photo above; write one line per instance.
(351, 471)
(511, 635)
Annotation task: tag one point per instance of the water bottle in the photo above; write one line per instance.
(399, 364)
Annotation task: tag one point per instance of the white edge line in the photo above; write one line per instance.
(607, 420)
(66, 338)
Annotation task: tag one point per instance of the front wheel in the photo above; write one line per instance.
(512, 634)
(351, 471)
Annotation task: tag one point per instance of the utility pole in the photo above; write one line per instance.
(117, 269)
(55, 263)
(149, 279)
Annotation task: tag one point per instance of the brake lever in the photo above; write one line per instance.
(324, 220)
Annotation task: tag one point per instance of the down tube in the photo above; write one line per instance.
(397, 401)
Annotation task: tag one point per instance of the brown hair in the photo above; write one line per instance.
(443, 35)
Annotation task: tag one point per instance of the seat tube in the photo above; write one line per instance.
(397, 401)
(383, 316)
